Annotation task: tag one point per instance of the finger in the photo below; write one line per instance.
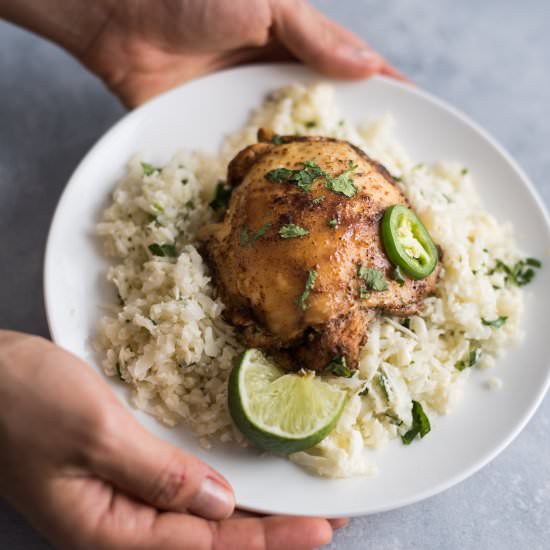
(335, 523)
(388, 70)
(323, 44)
(157, 473)
(338, 523)
(269, 533)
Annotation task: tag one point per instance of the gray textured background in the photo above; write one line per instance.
(489, 58)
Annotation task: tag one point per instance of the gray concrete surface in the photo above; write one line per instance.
(489, 58)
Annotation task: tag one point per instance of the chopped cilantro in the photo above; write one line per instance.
(163, 250)
(470, 361)
(260, 233)
(158, 207)
(221, 196)
(318, 200)
(339, 367)
(332, 223)
(302, 178)
(277, 139)
(292, 231)
(398, 276)
(464, 171)
(393, 419)
(310, 124)
(533, 262)
(186, 365)
(521, 273)
(383, 384)
(280, 174)
(406, 323)
(496, 323)
(310, 282)
(190, 204)
(118, 372)
(149, 169)
(420, 424)
(373, 278)
(249, 239)
(343, 183)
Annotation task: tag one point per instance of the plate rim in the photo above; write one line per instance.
(442, 104)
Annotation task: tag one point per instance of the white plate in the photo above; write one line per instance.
(197, 115)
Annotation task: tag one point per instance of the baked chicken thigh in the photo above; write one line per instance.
(298, 258)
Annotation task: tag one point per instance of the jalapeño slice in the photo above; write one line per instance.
(407, 242)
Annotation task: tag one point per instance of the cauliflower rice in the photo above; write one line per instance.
(167, 339)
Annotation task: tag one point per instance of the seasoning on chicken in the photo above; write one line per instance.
(298, 258)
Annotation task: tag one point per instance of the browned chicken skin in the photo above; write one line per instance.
(261, 276)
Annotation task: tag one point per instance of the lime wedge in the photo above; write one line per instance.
(279, 411)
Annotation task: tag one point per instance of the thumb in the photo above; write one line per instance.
(323, 44)
(143, 466)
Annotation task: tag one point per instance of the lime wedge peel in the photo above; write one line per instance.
(278, 411)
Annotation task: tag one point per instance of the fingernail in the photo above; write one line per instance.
(338, 523)
(213, 501)
(365, 55)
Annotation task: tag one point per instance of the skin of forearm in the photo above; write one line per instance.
(73, 24)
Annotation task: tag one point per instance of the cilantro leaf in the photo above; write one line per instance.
(277, 139)
(420, 425)
(521, 273)
(496, 323)
(149, 169)
(221, 196)
(247, 239)
(398, 276)
(318, 200)
(470, 361)
(332, 223)
(383, 383)
(291, 231)
(118, 371)
(260, 233)
(343, 183)
(373, 278)
(163, 250)
(279, 175)
(339, 367)
(302, 178)
(310, 282)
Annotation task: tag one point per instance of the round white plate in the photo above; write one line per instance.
(197, 115)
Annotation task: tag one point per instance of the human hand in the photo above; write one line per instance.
(146, 48)
(75, 462)
(143, 47)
